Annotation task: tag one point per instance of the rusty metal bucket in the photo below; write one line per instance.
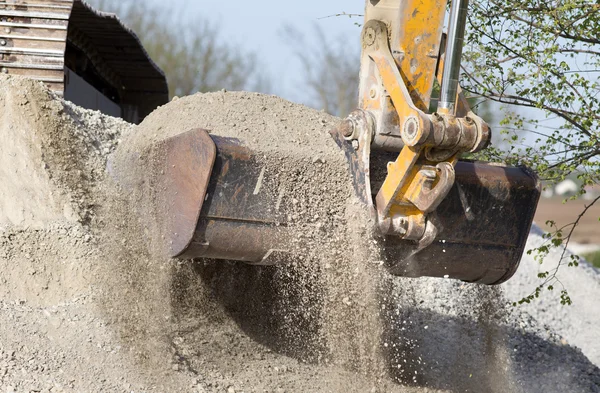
(211, 210)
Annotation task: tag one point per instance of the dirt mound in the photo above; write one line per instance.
(88, 302)
(53, 335)
(28, 155)
(319, 306)
(52, 155)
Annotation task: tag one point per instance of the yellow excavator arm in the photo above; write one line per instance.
(404, 51)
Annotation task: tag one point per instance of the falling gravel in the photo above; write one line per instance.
(89, 302)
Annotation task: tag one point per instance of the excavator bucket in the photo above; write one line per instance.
(207, 208)
(207, 204)
(435, 214)
(483, 222)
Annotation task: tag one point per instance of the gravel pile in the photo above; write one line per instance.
(577, 324)
(87, 303)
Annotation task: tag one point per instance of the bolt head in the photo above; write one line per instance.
(3, 42)
(369, 36)
(347, 128)
(399, 225)
(411, 127)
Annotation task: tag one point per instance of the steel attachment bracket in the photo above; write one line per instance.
(428, 144)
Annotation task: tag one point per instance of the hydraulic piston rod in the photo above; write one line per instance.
(456, 36)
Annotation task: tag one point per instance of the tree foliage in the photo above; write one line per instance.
(191, 52)
(543, 55)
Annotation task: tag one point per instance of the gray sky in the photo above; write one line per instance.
(258, 25)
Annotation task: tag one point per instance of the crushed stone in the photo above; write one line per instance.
(90, 303)
(575, 324)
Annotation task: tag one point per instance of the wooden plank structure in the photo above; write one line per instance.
(48, 40)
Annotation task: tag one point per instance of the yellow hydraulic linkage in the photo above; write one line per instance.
(436, 214)
(398, 68)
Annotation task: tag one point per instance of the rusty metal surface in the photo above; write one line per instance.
(241, 218)
(183, 177)
(205, 196)
(39, 38)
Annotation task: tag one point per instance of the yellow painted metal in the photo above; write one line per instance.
(404, 61)
(402, 172)
(391, 78)
(400, 61)
(417, 36)
(399, 174)
(415, 32)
